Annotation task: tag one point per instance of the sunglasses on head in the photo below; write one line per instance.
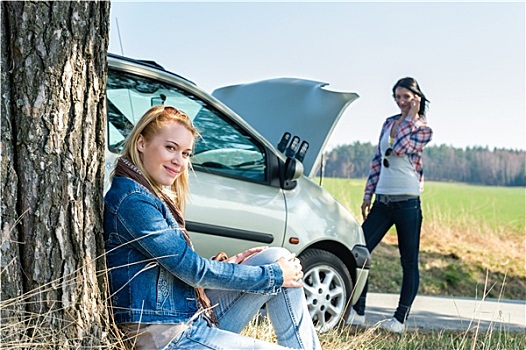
(387, 154)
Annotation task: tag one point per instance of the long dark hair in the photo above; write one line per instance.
(412, 85)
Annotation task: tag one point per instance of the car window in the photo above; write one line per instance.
(223, 148)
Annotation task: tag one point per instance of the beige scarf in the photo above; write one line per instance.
(126, 168)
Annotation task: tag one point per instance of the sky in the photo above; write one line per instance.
(469, 57)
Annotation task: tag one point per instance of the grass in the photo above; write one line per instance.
(502, 209)
(371, 338)
(469, 233)
(359, 338)
(472, 240)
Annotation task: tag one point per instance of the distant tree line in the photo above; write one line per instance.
(474, 165)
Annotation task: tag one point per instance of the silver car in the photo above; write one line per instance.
(251, 182)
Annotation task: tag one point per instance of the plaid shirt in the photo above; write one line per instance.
(410, 139)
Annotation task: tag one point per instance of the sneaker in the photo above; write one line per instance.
(355, 319)
(392, 325)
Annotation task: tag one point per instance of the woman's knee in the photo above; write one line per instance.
(267, 256)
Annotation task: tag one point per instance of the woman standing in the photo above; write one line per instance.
(396, 178)
(157, 280)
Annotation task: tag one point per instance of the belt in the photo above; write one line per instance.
(390, 198)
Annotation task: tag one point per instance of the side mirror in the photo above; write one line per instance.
(289, 172)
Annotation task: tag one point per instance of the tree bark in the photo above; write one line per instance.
(54, 63)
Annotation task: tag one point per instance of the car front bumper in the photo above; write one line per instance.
(362, 258)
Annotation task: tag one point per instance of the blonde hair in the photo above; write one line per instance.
(149, 126)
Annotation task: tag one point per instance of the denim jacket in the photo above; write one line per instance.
(153, 271)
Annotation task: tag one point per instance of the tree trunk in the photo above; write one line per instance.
(52, 156)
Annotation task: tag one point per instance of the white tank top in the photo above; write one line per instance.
(400, 178)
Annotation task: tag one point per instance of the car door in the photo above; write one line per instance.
(232, 206)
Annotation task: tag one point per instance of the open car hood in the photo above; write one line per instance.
(300, 107)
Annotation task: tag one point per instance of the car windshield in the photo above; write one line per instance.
(223, 147)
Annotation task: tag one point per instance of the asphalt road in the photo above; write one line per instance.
(438, 313)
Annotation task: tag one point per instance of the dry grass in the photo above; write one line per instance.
(42, 336)
(476, 242)
(58, 327)
(460, 255)
(468, 233)
(373, 338)
(455, 260)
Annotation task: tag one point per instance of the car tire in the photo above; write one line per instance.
(328, 286)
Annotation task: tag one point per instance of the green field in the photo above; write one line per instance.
(473, 237)
(502, 209)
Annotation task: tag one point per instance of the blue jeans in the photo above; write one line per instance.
(287, 311)
(407, 217)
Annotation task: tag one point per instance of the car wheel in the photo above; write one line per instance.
(327, 286)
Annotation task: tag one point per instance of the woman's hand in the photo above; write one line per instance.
(239, 258)
(366, 208)
(415, 107)
(292, 271)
